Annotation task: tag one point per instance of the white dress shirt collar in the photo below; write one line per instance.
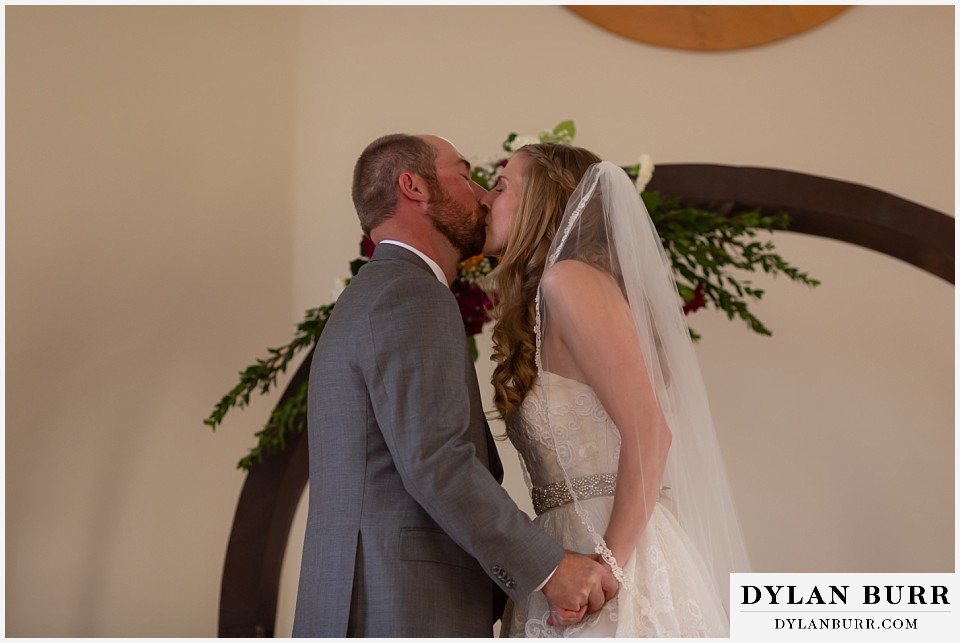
(430, 262)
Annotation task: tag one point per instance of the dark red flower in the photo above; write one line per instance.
(366, 246)
(696, 302)
(474, 304)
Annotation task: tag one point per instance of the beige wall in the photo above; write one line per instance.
(178, 194)
(148, 220)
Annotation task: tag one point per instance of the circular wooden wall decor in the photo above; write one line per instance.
(707, 28)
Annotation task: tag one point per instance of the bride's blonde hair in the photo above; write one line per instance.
(549, 180)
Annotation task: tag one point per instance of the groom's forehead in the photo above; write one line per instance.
(447, 152)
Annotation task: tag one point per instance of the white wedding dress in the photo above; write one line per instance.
(667, 594)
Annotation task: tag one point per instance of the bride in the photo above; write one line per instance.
(598, 384)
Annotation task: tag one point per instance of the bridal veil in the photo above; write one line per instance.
(606, 225)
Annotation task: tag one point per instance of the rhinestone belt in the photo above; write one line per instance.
(557, 493)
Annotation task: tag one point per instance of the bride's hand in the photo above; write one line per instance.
(560, 617)
(578, 586)
(615, 584)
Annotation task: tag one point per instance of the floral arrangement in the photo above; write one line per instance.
(475, 305)
(705, 249)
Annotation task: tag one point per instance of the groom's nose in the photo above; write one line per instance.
(488, 199)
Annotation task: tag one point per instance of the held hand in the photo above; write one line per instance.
(579, 586)
(609, 582)
(560, 617)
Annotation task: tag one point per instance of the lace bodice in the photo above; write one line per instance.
(588, 440)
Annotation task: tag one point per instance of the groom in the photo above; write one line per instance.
(409, 533)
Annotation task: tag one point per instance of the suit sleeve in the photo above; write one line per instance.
(420, 394)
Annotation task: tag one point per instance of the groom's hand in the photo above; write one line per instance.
(579, 586)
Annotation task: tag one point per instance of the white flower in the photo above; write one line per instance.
(520, 141)
(339, 284)
(645, 173)
(486, 161)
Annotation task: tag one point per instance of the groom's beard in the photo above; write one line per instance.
(465, 229)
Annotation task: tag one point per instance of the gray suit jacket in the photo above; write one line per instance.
(407, 529)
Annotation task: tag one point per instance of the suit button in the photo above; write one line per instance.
(511, 584)
(496, 569)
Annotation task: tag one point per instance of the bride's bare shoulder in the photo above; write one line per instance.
(571, 276)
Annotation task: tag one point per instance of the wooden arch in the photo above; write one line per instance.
(824, 207)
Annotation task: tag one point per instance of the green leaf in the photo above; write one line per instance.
(565, 131)
(651, 200)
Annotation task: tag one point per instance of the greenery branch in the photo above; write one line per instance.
(707, 250)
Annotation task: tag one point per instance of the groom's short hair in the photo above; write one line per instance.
(377, 170)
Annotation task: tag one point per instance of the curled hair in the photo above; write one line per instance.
(377, 170)
(550, 179)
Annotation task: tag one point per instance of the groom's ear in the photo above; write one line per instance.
(413, 187)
